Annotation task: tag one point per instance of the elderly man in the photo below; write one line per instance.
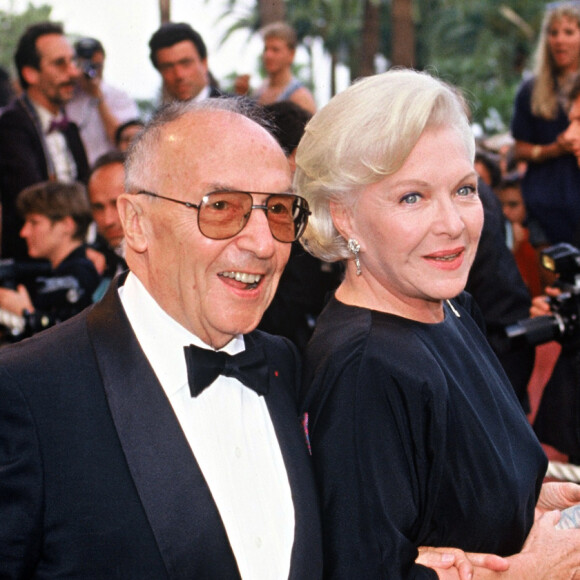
(127, 451)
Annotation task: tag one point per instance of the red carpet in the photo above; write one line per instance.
(546, 356)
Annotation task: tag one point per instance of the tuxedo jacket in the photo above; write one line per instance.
(23, 162)
(97, 479)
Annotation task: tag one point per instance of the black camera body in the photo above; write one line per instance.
(563, 325)
(13, 272)
(85, 50)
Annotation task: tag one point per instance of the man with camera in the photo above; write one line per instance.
(56, 217)
(557, 422)
(97, 107)
(37, 142)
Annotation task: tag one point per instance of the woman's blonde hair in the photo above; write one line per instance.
(362, 135)
(544, 94)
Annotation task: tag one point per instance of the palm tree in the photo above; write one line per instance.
(271, 11)
(403, 43)
(165, 11)
(370, 40)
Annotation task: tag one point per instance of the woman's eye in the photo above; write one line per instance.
(411, 198)
(466, 191)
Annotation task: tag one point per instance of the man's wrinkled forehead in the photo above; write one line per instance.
(212, 144)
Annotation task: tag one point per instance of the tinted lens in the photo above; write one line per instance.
(287, 215)
(223, 215)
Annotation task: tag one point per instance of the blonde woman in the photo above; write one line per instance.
(551, 185)
(416, 435)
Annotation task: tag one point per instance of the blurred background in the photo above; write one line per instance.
(483, 46)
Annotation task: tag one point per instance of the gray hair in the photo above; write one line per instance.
(139, 156)
(362, 135)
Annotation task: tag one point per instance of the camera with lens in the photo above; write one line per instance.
(563, 324)
(85, 50)
(13, 273)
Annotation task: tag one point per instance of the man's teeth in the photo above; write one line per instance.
(242, 277)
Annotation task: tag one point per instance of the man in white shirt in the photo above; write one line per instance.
(97, 108)
(133, 459)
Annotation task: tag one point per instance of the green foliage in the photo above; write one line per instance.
(482, 46)
(12, 26)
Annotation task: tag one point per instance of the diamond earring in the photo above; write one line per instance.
(354, 248)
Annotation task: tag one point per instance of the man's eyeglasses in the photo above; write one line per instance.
(224, 214)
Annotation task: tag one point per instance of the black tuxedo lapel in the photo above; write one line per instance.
(284, 369)
(174, 494)
(76, 147)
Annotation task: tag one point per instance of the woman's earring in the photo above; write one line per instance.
(354, 247)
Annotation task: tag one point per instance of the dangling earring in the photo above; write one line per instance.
(354, 247)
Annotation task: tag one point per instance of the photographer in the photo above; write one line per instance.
(56, 217)
(97, 108)
(557, 422)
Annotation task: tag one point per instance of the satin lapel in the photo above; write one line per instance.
(284, 368)
(76, 147)
(174, 494)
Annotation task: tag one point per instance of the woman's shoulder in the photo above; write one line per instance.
(353, 345)
(526, 86)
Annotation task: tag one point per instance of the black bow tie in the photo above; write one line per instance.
(58, 125)
(204, 366)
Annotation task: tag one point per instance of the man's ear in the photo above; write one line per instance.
(30, 74)
(132, 219)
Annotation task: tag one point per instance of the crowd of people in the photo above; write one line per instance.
(269, 341)
(68, 125)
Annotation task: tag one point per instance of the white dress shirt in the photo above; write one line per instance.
(84, 111)
(231, 435)
(62, 159)
(203, 94)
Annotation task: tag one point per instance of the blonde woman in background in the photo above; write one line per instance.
(551, 184)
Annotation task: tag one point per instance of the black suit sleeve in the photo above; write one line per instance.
(22, 163)
(20, 485)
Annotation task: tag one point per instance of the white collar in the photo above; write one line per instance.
(161, 337)
(44, 115)
(203, 94)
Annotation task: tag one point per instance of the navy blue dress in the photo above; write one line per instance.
(551, 189)
(417, 438)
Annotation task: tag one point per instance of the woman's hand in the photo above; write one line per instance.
(464, 562)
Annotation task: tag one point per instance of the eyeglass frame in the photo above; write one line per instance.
(303, 210)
